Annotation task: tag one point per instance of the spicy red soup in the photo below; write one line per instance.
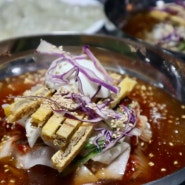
(164, 154)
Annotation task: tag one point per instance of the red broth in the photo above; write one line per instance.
(148, 161)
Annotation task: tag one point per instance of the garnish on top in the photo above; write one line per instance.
(77, 110)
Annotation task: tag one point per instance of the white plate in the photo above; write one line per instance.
(30, 17)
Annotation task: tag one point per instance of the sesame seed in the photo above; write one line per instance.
(5, 166)
(12, 181)
(151, 155)
(176, 131)
(151, 163)
(180, 153)
(150, 88)
(183, 116)
(175, 162)
(163, 169)
(142, 143)
(143, 87)
(21, 165)
(6, 170)
(171, 144)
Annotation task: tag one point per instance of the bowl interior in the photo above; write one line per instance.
(121, 55)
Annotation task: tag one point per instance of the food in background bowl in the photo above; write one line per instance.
(163, 25)
(77, 122)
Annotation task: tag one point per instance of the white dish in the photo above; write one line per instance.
(20, 18)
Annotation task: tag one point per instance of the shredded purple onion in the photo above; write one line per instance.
(64, 78)
(111, 138)
(170, 11)
(180, 2)
(97, 63)
(93, 77)
(173, 36)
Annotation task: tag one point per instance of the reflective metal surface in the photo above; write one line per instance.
(123, 55)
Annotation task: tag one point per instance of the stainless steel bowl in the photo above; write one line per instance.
(122, 55)
(118, 12)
